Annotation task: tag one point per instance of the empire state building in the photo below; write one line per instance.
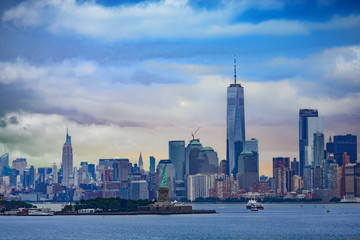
(67, 161)
(235, 134)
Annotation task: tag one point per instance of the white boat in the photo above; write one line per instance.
(253, 204)
(40, 212)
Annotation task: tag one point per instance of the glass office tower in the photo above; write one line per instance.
(309, 123)
(235, 135)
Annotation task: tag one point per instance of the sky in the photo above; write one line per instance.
(128, 76)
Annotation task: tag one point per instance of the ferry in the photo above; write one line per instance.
(253, 204)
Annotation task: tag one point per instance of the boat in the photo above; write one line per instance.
(40, 212)
(253, 204)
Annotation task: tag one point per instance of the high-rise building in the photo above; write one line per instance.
(55, 173)
(141, 164)
(296, 167)
(177, 157)
(329, 147)
(248, 172)
(20, 164)
(309, 123)
(235, 123)
(222, 167)
(152, 164)
(207, 161)
(67, 161)
(191, 155)
(122, 168)
(345, 143)
(139, 189)
(198, 186)
(253, 146)
(4, 162)
(318, 149)
(284, 160)
(91, 169)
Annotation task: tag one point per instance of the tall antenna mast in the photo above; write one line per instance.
(235, 69)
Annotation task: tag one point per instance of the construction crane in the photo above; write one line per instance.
(193, 134)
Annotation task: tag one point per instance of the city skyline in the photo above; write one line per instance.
(124, 88)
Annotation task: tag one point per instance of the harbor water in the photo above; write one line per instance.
(232, 221)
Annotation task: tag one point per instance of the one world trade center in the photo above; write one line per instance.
(235, 136)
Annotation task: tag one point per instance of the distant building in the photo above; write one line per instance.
(345, 143)
(308, 178)
(309, 123)
(281, 179)
(284, 160)
(107, 163)
(248, 172)
(54, 172)
(122, 168)
(4, 162)
(20, 164)
(295, 165)
(177, 157)
(318, 149)
(67, 161)
(191, 155)
(141, 164)
(198, 186)
(329, 147)
(152, 164)
(235, 125)
(139, 190)
(319, 178)
(252, 145)
(207, 161)
(223, 167)
(345, 161)
(296, 183)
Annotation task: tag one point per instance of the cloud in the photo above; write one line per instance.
(332, 72)
(165, 19)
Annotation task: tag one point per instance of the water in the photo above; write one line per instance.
(233, 221)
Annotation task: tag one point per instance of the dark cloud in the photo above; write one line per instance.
(3, 124)
(13, 120)
(15, 97)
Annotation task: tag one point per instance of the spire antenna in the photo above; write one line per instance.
(235, 69)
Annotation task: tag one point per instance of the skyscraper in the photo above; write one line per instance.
(318, 149)
(248, 172)
(67, 160)
(177, 157)
(141, 164)
(235, 119)
(4, 162)
(191, 155)
(20, 164)
(345, 143)
(152, 164)
(309, 122)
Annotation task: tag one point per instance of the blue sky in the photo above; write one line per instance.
(130, 76)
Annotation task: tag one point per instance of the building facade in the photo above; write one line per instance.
(235, 125)
(309, 123)
(67, 161)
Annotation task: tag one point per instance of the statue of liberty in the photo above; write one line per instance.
(163, 183)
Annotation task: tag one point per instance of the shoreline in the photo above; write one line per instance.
(117, 213)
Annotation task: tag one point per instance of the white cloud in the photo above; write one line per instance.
(154, 20)
(335, 67)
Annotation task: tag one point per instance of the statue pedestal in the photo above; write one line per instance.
(163, 195)
(164, 206)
